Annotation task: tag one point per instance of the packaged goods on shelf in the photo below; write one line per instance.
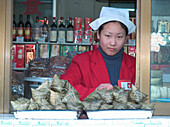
(29, 53)
(54, 51)
(154, 56)
(70, 31)
(43, 50)
(58, 65)
(77, 29)
(20, 56)
(45, 29)
(87, 29)
(132, 51)
(61, 31)
(69, 51)
(164, 55)
(38, 67)
(163, 26)
(17, 84)
(36, 29)
(47, 67)
(14, 56)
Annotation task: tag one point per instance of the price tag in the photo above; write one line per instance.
(126, 84)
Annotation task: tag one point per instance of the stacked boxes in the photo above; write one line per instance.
(87, 29)
(29, 53)
(20, 56)
(77, 30)
(43, 51)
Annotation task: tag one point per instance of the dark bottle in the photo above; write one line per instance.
(20, 27)
(27, 35)
(70, 32)
(53, 31)
(44, 30)
(14, 28)
(61, 31)
(37, 26)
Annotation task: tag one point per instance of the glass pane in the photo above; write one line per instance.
(160, 51)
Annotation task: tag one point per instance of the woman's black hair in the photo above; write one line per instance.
(122, 25)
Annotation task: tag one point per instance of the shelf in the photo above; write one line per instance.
(131, 45)
(79, 44)
(19, 69)
(37, 79)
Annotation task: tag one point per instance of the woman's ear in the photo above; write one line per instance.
(126, 39)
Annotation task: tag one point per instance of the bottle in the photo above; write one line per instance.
(20, 27)
(27, 35)
(61, 31)
(53, 31)
(14, 28)
(37, 26)
(70, 32)
(44, 30)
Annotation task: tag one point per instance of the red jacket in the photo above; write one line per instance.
(88, 70)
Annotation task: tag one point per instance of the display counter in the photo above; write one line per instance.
(8, 120)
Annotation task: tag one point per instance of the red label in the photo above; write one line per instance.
(13, 53)
(20, 56)
(27, 33)
(126, 84)
(14, 33)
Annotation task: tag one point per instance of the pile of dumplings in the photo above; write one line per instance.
(60, 95)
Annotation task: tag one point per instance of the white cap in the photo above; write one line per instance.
(113, 14)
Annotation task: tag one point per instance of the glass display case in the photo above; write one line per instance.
(153, 60)
(160, 51)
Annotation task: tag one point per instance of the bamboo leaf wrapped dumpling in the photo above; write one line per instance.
(38, 95)
(72, 100)
(55, 100)
(136, 95)
(33, 105)
(20, 104)
(45, 105)
(58, 85)
(106, 95)
(93, 105)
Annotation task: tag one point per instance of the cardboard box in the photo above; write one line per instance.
(132, 51)
(69, 50)
(77, 30)
(29, 53)
(14, 55)
(43, 50)
(20, 56)
(54, 50)
(87, 29)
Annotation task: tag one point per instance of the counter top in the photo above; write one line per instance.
(8, 120)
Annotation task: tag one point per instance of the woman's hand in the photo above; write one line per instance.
(108, 86)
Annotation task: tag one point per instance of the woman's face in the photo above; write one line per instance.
(112, 38)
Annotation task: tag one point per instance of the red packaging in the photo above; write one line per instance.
(20, 56)
(131, 51)
(13, 56)
(77, 30)
(87, 29)
(29, 53)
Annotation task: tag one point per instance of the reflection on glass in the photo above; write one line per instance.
(160, 51)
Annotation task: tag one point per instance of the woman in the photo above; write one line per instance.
(104, 66)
